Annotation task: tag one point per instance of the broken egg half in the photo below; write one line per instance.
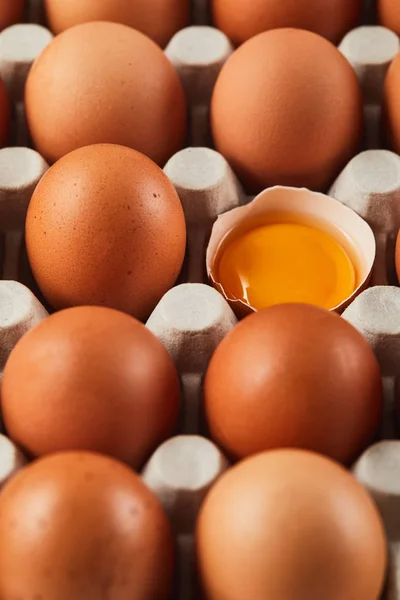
(290, 245)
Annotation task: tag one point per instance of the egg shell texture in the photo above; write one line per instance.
(293, 376)
(389, 14)
(82, 526)
(83, 91)
(289, 524)
(241, 20)
(158, 19)
(93, 379)
(11, 11)
(105, 226)
(287, 110)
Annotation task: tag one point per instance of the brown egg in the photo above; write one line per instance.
(397, 259)
(83, 91)
(93, 379)
(159, 19)
(11, 11)
(389, 14)
(290, 525)
(293, 375)
(82, 526)
(105, 226)
(241, 20)
(287, 109)
(391, 104)
(5, 115)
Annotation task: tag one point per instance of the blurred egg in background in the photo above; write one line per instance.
(391, 105)
(389, 14)
(105, 82)
(241, 20)
(11, 11)
(287, 110)
(158, 19)
(105, 226)
(290, 524)
(93, 379)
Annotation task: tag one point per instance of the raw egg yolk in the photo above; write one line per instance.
(284, 263)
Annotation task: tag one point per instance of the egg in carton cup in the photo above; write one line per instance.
(301, 205)
(192, 318)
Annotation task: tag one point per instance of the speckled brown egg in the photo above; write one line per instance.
(5, 115)
(159, 19)
(11, 11)
(105, 83)
(290, 525)
(82, 526)
(105, 226)
(241, 20)
(287, 110)
(389, 14)
(93, 379)
(294, 375)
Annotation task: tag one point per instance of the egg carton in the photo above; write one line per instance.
(192, 318)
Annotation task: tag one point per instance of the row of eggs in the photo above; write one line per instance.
(105, 226)
(68, 103)
(239, 20)
(92, 379)
(259, 103)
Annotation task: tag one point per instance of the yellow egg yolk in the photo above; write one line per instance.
(286, 262)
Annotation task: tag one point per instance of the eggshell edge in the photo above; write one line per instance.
(302, 201)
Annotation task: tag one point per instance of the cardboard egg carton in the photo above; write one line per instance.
(378, 469)
(192, 318)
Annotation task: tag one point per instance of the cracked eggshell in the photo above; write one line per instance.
(309, 204)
